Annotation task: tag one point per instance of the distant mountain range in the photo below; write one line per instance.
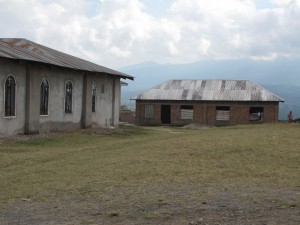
(280, 76)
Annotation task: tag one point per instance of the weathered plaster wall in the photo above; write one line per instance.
(57, 119)
(16, 124)
(117, 101)
(107, 100)
(28, 80)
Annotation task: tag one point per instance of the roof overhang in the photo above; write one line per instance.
(22, 49)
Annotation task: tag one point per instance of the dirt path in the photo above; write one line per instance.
(188, 204)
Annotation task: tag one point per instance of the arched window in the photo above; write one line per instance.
(68, 99)
(93, 97)
(10, 96)
(44, 97)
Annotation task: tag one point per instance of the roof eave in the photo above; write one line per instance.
(202, 100)
(13, 48)
(118, 74)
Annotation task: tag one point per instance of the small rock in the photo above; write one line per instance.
(200, 220)
(114, 214)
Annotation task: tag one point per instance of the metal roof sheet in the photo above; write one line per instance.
(15, 48)
(209, 90)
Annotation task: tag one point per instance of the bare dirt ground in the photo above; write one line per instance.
(191, 204)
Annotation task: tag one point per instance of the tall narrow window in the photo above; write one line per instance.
(68, 100)
(93, 97)
(10, 91)
(44, 97)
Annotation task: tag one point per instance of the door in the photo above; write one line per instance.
(165, 114)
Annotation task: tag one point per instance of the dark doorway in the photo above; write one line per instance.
(166, 114)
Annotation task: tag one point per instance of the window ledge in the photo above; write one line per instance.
(10, 117)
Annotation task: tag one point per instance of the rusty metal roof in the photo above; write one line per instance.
(22, 49)
(209, 90)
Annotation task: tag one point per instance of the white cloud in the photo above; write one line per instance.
(269, 57)
(116, 33)
(284, 2)
(119, 52)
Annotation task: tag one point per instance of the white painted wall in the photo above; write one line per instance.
(107, 103)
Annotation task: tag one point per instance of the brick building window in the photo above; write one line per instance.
(222, 113)
(256, 113)
(186, 112)
(44, 98)
(68, 97)
(10, 96)
(149, 111)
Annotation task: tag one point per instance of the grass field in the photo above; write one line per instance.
(156, 175)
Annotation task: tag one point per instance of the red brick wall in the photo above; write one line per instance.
(205, 112)
(271, 113)
(140, 112)
(127, 116)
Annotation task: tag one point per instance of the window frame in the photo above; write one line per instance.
(11, 115)
(149, 111)
(68, 100)
(94, 93)
(186, 112)
(256, 113)
(223, 109)
(42, 98)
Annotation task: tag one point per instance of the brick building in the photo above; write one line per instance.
(209, 102)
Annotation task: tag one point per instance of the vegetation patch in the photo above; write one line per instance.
(159, 175)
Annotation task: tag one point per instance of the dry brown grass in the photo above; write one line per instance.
(154, 176)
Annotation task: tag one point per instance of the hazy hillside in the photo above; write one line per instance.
(279, 76)
(291, 95)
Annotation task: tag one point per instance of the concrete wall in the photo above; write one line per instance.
(16, 124)
(57, 119)
(107, 100)
(205, 112)
(28, 80)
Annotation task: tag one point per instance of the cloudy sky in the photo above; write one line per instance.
(117, 33)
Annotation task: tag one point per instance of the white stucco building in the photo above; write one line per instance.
(42, 90)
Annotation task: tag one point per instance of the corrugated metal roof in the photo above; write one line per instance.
(209, 90)
(15, 48)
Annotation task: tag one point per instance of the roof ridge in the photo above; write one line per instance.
(217, 90)
(21, 48)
